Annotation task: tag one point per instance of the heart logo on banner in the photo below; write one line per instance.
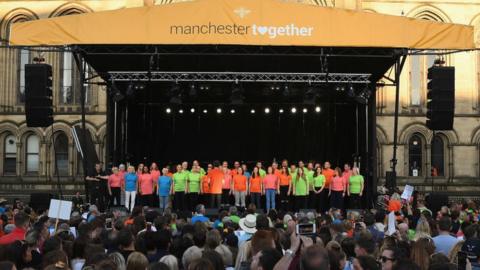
(262, 30)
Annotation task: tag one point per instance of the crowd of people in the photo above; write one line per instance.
(421, 238)
(291, 187)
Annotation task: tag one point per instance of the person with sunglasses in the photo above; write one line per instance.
(388, 258)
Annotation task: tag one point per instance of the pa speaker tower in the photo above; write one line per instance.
(441, 98)
(38, 95)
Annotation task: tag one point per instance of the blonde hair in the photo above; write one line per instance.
(131, 167)
(452, 255)
(422, 230)
(137, 261)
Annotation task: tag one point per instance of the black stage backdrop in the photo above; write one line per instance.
(150, 134)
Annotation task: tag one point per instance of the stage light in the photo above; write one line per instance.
(205, 111)
(193, 91)
(252, 111)
(363, 96)
(130, 90)
(116, 94)
(175, 94)
(192, 110)
(305, 110)
(219, 110)
(280, 111)
(232, 111)
(350, 91)
(310, 96)
(168, 110)
(237, 96)
(340, 88)
(318, 109)
(205, 87)
(180, 111)
(286, 91)
(293, 110)
(267, 110)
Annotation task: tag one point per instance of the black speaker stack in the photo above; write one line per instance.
(441, 98)
(38, 95)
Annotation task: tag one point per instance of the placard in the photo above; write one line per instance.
(60, 209)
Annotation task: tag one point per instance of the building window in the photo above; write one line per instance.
(24, 58)
(10, 159)
(32, 154)
(438, 156)
(415, 155)
(71, 87)
(61, 151)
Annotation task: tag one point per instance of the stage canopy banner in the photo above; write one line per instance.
(242, 22)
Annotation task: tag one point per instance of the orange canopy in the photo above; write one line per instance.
(242, 22)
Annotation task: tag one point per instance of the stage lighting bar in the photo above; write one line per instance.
(266, 77)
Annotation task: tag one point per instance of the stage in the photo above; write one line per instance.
(157, 64)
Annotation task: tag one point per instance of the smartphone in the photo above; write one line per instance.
(108, 223)
(306, 229)
(462, 260)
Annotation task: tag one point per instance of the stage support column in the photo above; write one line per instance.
(371, 140)
(81, 65)
(400, 61)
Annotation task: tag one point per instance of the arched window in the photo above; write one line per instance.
(10, 158)
(415, 155)
(32, 154)
(61, 151)
(438, 156)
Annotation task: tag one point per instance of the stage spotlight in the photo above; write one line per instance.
(192, 110)
(219, 110)
(192, 93)
(205, 111)
(237, 96)
(168, 110)
(293, 110)
(363, 96)
(205, 87)
(116, 94)
(267, 110)
(318, 109)
(175, 94)
(232, 111)
(252, 111)
(130, 90)
(350, 91)
(280, 111)
(305, 110)
(310, 95)
(180, 111)
(340, 88)
(286, 91)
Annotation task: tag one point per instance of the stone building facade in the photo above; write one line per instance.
(26, 161)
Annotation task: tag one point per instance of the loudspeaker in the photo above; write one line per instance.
(40, 201)
(85, 146)
(38, 95)
(435, 201)
(390, 181)
(441, 98)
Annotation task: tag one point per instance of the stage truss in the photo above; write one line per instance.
(160, 76)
